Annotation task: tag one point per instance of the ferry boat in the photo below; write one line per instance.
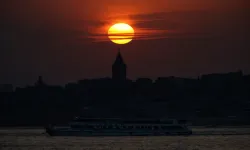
(119, 127)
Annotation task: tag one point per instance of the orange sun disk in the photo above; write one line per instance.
(121, 33)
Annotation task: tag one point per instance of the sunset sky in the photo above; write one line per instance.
(65, 40)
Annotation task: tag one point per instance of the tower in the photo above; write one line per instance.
(40, 81)
(119, 68)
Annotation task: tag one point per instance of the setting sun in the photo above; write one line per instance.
(121, 33)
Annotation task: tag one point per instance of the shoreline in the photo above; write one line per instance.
(197, 127)
(197, 131)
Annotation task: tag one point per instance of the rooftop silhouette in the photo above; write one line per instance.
(119, 68)
(202, 100)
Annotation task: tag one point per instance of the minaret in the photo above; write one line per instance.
(40, 82)
(119, 68)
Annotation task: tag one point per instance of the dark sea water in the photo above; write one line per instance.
(35, 139)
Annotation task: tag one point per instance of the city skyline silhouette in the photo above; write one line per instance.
(110, 74)
(65, 42)
(216, 95)
(119, 72)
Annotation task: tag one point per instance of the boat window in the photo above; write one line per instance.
(95, 120)
(148, 121)
(172, 127)
(130, 127)
(167, 122)
(76, 126)
(142, 121)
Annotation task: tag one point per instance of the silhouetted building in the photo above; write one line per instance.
(119, 68)
(6, 88)
(40, 82)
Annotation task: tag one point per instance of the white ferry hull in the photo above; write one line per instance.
(71, 132)
(119, 127)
